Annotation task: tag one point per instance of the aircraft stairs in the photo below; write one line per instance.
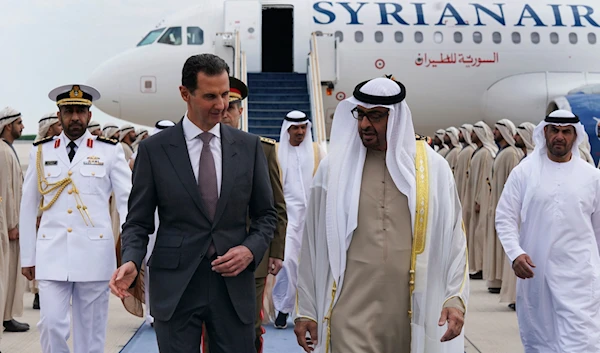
(271, 96)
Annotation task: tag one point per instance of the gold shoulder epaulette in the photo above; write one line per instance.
(44, 140)
(107, 140)
(268, 140)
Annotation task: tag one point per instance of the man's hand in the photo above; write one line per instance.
(275, 265)
(455, 320)
(302, 326)
(522, 266)
(13, 234)
(122, 279)
(233, 262)
(477, 207)
(28, 272)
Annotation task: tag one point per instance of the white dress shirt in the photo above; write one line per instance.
(66, 141)
(191, 132)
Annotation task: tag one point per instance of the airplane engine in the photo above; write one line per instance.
(585, 103)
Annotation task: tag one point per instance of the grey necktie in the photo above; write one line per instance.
(207, 181)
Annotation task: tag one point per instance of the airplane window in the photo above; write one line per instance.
(477, 38)
(458, 37)
(516, 37)
(592, 38)
(358, 36)
(535, 37)
(195, 36)
(378, 36)
(172, 36)
(151, 37)
(497, 37)
(399, 37)
(573, 38)
(339, 35)
(438, 37)
(554, 38)
(419, 37)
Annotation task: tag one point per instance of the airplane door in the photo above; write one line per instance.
(246, 17)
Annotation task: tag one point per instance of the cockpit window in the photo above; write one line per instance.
(195, 36)
(151, 37)
(172, 36)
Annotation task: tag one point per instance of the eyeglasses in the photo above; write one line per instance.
(374, 116)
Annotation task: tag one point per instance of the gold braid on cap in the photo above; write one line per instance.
(45, 188)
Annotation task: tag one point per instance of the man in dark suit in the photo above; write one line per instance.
(205, 178)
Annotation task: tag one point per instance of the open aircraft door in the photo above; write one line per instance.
(246, 17)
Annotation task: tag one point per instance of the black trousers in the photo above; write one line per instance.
(207, 301)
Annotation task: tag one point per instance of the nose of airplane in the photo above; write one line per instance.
(106, 80)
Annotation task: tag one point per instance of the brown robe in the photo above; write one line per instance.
(13, 283)
(477, 192)
(493, 265)
(452, 157)
(461, 172)
(370, 315)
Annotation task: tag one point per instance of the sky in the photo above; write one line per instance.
(48, 43)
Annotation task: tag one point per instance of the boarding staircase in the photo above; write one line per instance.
(271, 95)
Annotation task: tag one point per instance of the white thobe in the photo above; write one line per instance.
(440, 271)
(284, 291)
(559, 308)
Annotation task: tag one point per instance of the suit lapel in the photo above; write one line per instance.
(176, 150)
(228, 173)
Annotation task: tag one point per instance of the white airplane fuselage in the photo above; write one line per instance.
(460, 61)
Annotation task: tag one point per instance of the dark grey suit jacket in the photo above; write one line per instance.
(163, 178)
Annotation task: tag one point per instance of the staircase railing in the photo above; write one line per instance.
(240, 72)
(316, 93)
(244, 78)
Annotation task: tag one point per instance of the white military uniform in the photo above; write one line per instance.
(73, 253)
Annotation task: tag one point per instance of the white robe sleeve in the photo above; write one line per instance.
(30, 203)
(508, 215)
(306, 296)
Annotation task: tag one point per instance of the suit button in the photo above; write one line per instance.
(70, 173)
(69, 211)
(101, 236)
(69, 230)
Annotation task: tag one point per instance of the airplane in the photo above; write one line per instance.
(461, 61)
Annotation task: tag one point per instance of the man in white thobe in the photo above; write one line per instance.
(548, 220)
(298, 158)
(384, 250)
(508, 292)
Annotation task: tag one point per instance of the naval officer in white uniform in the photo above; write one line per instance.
(71, 177)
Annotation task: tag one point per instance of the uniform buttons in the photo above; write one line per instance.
(101, 236)
(69, 211)
(70, 173)
(69, 230)
(70, 191)
(93, 174)
(49, 174)
(43, 235)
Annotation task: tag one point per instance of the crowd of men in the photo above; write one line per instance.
(481, 159)
(370, 244)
